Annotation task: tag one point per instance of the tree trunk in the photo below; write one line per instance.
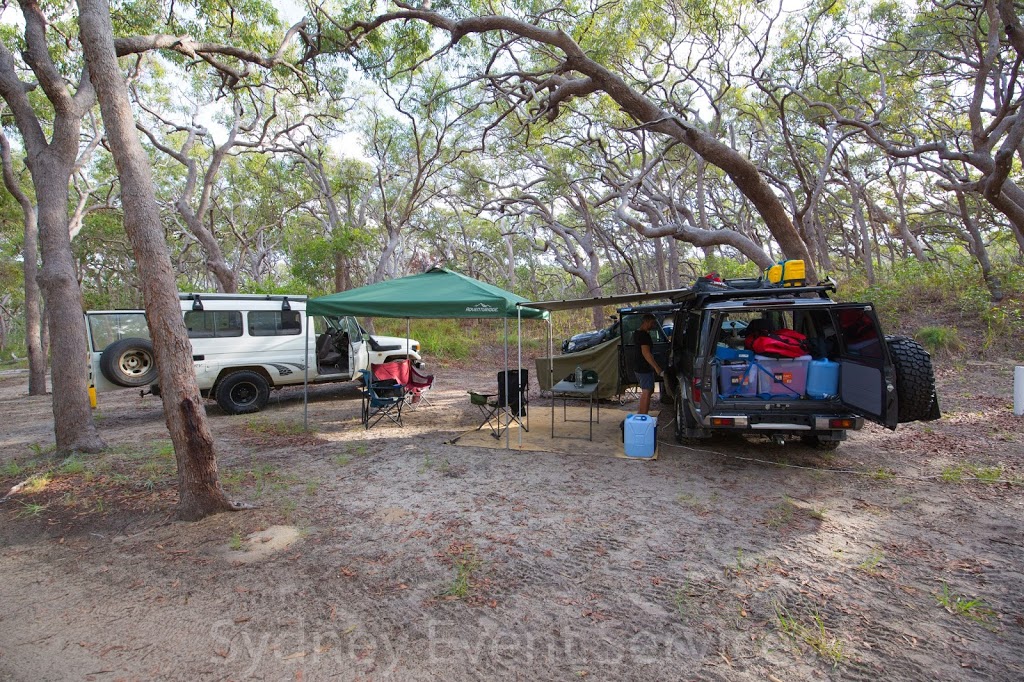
(978, 248)
(199, 492)
(673, 264)
(860, 221)
(33, 298)
(73, 425)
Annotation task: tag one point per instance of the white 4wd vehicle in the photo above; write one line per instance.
(243, 345)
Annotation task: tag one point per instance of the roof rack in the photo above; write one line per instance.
(704, 291)
(240, 297)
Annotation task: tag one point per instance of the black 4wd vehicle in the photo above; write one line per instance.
(850, 371)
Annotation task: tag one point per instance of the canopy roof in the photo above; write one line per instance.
(437, 293)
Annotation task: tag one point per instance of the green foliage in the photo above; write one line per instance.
(729, 268)
(812, 632)
(936, 302)
(439, 339)
(972, 609)
(936, 338)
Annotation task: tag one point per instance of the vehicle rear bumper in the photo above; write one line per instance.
(791, 423)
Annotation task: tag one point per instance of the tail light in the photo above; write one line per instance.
(841, 423)
(696, 389)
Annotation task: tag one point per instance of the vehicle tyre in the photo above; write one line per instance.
(129, 363)
(669, 388)
(817, 442)
(243, 392)
(684, 420)
(915, 380)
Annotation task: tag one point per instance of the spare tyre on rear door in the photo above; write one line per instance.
(129, 363)
(915, 380)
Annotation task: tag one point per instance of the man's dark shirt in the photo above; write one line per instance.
(643, 338)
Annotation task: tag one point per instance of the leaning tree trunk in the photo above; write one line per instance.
(199, 492)
(978, 248)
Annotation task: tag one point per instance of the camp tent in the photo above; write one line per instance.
(437, 293)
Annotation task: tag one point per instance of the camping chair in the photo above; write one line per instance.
(488, 409)
(513, 398)
(419, 383)
(396, 369)
(381, 398)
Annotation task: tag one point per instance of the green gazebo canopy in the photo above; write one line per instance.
(437, 293)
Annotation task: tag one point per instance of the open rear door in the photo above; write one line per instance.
(867, 381)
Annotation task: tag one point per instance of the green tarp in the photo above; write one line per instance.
(602, 358)
(437, 293)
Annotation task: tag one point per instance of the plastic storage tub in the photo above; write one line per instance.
(737, 381)
(639, 435)
(782, 377)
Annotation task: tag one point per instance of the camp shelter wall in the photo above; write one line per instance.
(602, 358)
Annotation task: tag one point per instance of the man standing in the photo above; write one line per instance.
(646, 366)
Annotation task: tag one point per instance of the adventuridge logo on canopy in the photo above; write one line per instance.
(481, 308)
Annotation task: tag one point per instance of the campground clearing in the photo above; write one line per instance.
(395, 554)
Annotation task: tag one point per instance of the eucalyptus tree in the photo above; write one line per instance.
(411, 139)
(247, 118)
(940, 87)
(51, 162)
(533, 63)
(35, 347)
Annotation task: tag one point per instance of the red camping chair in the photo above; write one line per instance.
(419, 383)
(396, 369)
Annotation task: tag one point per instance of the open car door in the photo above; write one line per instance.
(867, 378)
(358, 355)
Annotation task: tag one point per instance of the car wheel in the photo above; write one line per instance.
(684, 421)
(817, 442)
(243, 392)
(915, 380)
(129, 363)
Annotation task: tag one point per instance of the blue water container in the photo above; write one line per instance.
(823, 379)
(639, 435)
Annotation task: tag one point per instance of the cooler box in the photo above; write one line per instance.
(782, 377)
(823, 379)
(737, 381)
(639, 435)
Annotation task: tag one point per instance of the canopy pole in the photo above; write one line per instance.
(507, 410)
(305, 383)
(519, 338)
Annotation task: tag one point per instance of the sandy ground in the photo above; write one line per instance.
(394, 554)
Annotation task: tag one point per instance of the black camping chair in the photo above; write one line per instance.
(381, 399)
(513, 398)
(508, 405)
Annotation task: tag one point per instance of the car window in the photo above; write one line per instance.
(355, 331)
(209, 324)
(106, 328)
(275, 323)
(859, 333)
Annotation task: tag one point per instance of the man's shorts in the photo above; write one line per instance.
(646, 380)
